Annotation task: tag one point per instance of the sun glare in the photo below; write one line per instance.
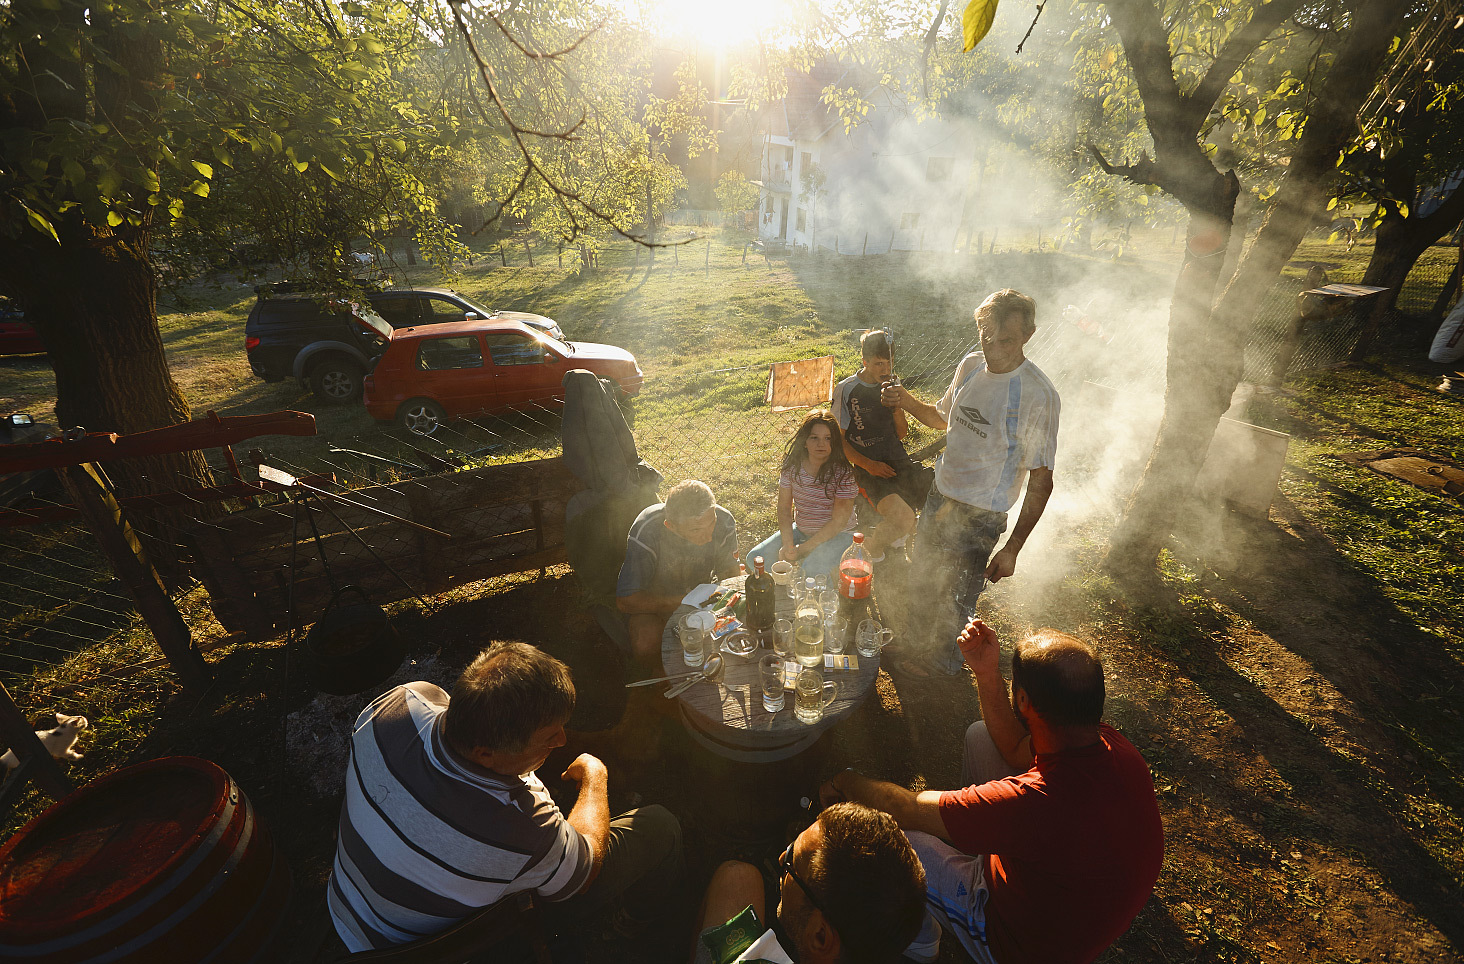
(715, 24)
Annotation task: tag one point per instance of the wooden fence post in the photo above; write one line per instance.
(528, 251)
(92, 494)
(864, 250)
(36, 763)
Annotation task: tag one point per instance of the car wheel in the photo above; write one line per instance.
(337, 380)
(422, 417)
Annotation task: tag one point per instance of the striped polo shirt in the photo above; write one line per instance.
(426, 837)
(813, 501)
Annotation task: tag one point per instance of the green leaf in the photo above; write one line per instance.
(175, 208)
(204, 169)
(976, 22)
(114, 218)
(1332, 204)
(40, 223)
(199, 187)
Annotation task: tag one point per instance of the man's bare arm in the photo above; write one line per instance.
(899, 397)
(911, 810)
(591, 812)
(982, 652)
(1039, 490)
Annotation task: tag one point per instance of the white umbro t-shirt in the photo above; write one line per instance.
(998, 428)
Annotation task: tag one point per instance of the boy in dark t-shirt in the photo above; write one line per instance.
(873, 433)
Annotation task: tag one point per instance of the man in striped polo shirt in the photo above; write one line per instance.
(444, 814)
(1000, 419)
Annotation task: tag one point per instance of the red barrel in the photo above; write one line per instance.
(160, 862)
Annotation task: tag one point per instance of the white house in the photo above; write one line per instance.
(892, 183)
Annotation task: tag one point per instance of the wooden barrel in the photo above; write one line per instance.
(160, 862)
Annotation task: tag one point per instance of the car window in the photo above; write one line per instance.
(398, 312)
(437, 310)
(438, 354)
(508, 348)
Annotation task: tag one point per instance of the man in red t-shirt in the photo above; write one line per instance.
(1054, 845)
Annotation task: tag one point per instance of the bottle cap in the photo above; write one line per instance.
(858, 537)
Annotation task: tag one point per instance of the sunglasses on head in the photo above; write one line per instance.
(785, 865)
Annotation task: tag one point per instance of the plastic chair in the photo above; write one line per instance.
(475, 939)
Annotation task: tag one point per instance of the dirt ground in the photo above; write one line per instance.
(1291, 756)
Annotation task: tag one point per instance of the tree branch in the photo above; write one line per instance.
(1142, 171)
(1236, 51)
(1146, 45)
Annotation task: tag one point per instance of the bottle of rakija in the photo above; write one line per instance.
(856, 581)
(761, 601)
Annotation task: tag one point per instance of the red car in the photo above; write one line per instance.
(16, 336)
(430, 374)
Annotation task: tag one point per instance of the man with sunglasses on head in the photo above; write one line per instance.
(1055, 843)
(850, 889)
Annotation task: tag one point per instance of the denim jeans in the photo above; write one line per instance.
(953, 543)
(822, 560)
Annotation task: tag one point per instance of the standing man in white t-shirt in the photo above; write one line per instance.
(1000, 418)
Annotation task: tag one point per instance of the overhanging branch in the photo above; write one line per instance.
(1236, 51)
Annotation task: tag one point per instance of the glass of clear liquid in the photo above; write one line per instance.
(808, 640)
(770, 671)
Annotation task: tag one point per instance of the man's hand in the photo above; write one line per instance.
(831, 793)
(980, 648)
(789, 553)
(893, 396)
(880, 470)
(585, 768)
(1003, 564)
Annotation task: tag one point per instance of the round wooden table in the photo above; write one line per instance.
(728, 717)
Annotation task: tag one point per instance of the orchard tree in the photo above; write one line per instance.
(1187, 64)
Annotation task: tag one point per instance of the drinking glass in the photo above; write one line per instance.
(871, 638)
(813, 695)
(770, 671)
(795, 581)
(693, 635)
(783, 645)
(836, 631)
(821, 581)
(828, 600)
(808, 638)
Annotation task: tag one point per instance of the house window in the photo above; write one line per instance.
(938, 168)
(804, 160)
(909, 222)
(802, 221)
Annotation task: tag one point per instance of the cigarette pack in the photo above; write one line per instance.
(841, 661)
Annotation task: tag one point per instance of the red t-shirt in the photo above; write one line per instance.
(1073, 848)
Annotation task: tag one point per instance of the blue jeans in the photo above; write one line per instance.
(824, 559)
(952, 543)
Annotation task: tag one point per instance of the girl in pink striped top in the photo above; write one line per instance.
(816, 492)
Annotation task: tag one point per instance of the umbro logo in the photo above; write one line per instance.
(973, 414)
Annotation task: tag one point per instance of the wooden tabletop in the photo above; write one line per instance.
(733, 709)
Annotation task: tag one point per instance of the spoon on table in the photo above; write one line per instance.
(711, 670)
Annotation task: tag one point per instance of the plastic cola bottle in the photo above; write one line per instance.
(856, 580)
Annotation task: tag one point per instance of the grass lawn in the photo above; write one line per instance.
(1293, 682)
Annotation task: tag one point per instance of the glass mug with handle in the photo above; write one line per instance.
(813, 695)
(871, 638)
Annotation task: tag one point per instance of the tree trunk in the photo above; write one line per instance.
(1203, 366)
(1449, 292)
(93, 301)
